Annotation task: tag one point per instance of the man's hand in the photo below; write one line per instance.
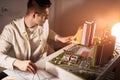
(25, 65)
(67, 39)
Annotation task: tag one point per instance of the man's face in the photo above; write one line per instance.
(40, 18)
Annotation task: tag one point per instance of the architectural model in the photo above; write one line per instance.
(76, 63)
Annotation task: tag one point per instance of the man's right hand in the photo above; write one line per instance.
(25, 65)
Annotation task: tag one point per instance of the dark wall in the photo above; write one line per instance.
(11, 9)
(67, 15)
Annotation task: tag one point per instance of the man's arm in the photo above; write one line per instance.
(5, 60)
(56, 37)
(67, 39)
(5, 39)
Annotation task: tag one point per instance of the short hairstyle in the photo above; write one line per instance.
(37, 5)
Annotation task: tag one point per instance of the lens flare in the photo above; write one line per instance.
(116, 31)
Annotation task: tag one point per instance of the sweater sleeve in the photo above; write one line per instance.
(5, 38)
(52, 35)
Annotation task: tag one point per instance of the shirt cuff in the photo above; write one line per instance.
(9, 63)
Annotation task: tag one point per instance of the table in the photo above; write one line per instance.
(62, 73)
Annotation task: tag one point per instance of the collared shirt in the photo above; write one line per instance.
(15, 42)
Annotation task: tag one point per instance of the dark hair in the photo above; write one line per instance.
(37, 5)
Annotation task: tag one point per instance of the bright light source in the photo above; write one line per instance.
(116, 31)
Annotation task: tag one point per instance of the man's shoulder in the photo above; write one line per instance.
(14, 25)
(18, 20)
(15, 21)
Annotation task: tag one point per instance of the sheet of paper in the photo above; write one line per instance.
(20, 75)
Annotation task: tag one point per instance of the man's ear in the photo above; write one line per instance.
(33, 14)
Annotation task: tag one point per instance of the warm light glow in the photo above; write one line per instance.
(116, 31)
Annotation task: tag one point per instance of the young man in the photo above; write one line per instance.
(23, 42)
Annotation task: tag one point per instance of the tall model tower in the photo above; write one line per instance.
(88, 33)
